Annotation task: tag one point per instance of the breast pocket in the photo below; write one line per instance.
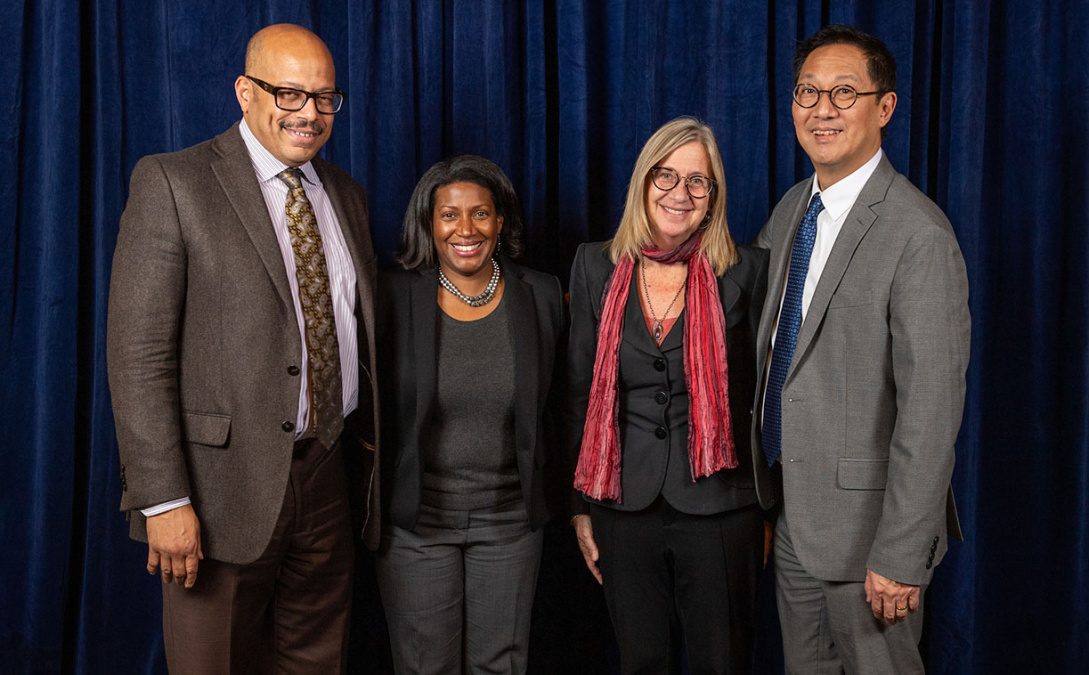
(845, 299)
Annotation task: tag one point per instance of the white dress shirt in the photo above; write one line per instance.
(341, 279)
(837, 200)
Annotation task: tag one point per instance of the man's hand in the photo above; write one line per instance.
(890, 600)
(584, 531)
(173, 545)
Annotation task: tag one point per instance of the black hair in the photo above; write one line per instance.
(880, 63)
(418, 247)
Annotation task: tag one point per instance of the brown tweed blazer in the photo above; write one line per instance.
(203, 346)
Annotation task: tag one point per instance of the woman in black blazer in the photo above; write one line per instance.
(467, 346)
(661, 378)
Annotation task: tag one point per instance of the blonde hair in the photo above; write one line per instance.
(634, 232)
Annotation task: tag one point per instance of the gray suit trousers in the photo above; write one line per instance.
(829, 628)
(458, 590)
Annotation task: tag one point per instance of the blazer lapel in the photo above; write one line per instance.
(234, 171)
(424, 308)
(728, 294)
(353, 236)
(523, 315)
(777, 271)
(858, 222)
(362, 263)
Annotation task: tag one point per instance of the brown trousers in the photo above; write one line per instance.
(286, 612)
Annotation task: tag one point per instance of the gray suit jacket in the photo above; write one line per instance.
(203, 345)
(873, 399)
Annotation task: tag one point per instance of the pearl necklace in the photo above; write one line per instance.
(474, 300)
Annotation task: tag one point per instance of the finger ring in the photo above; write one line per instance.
(901, 609)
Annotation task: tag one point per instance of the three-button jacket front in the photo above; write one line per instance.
(661, 395)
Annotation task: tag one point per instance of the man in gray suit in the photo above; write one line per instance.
(240, 343)
(861, 353)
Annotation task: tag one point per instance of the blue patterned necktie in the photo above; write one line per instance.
(786, 336)
(322, 347)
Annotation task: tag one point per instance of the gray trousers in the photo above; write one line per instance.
(829, 628)
(458, 590)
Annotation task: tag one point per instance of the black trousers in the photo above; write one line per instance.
(671, 578)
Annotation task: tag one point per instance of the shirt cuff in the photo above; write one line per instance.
(164, 507)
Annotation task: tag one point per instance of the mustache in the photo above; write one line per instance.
(314, 127)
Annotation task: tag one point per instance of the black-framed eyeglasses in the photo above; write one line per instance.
(327, 102)
(843, 96)
(698, 185)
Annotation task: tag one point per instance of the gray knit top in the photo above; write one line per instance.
(470, 460)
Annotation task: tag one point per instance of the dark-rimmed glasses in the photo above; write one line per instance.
(697, 185)
(291, 100)
(843, 96)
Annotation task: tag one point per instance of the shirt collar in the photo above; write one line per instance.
(840, 197)
(265, 163)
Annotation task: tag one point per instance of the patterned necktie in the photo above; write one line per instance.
(786, 336)
(322, 348)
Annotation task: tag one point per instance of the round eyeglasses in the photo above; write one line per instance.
(291, 100)
(843, 96)
(697, 185)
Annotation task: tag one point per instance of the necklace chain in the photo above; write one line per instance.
(474, 300)
(656, 328)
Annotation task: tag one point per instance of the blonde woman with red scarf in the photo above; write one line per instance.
(662, 374)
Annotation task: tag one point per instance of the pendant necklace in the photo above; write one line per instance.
(656, 327)
(473, 300)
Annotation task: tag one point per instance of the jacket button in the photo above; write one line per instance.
(288, 426)
(661, 398)
(660, 432)
(659, 365)
(292, 370)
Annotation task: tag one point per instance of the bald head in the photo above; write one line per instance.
(278, 39)
(292, 57)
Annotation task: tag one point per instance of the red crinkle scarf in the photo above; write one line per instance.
(710, 430)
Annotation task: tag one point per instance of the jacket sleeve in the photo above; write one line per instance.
(147, 296)
(581, 350)
(929, 328)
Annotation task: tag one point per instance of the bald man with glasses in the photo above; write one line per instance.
(240, 346)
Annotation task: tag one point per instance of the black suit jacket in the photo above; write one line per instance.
(653, 398)
(409, 315)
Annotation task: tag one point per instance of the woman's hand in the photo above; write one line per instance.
(584, 531)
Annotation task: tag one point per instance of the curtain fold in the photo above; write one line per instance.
(992, 122)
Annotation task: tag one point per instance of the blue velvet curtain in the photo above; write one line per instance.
(992, 123)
